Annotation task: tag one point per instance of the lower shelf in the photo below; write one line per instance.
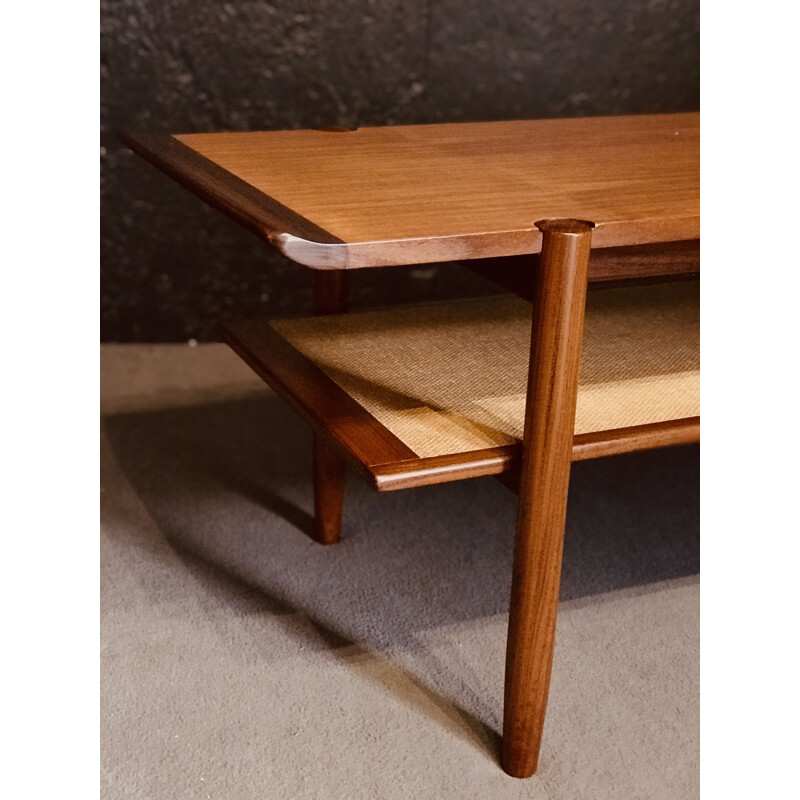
(434, 393)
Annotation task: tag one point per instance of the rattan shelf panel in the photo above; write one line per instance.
(445, 384)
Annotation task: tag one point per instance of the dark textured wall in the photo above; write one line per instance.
(172, 267)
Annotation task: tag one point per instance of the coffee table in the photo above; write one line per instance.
(517, 386)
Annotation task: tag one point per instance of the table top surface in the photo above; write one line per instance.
(423, 193)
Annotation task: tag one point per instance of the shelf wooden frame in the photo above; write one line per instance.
(380, 456)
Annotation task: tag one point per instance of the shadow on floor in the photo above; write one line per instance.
(228, 486)
(230, 483)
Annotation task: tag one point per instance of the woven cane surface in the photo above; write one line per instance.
(451, 377)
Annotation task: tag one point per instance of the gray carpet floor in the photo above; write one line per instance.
(241, 660)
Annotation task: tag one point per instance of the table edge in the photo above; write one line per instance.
(308, 244)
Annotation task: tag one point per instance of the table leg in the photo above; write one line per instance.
(330, 297)
(331, 291)
(558, 310)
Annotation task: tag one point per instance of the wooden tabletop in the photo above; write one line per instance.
(424, 193)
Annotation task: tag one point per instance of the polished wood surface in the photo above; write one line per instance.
(328, 471)
(251, 208)
(331, 292)
(670, 433)
(558, 311)
(315, 396)
(611, 265)
(504, 462)
(328, 474)
(422, 193)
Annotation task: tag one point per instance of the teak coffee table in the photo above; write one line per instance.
(516, 386)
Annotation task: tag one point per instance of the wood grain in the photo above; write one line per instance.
(611, 265)
(443, 469)
(260, 214)
(505, 461)
(328, 472)
(669, 433)
(331, 292)
(558, 310)
(314, 395)
(422, 193)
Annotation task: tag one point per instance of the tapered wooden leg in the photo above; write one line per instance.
(558, 310)
(329, 474)
(330, 297)
(331, 288)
